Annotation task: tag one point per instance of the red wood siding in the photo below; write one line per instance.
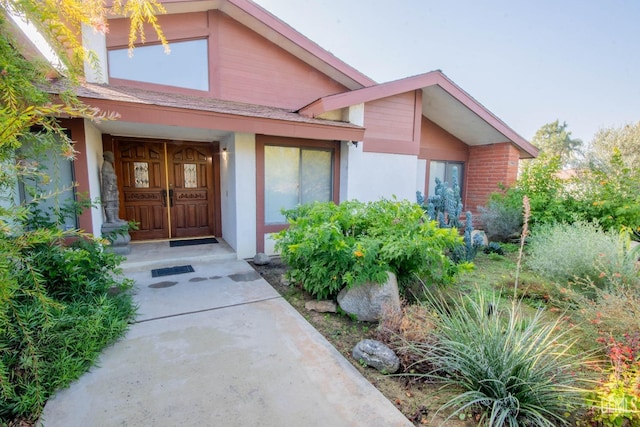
(254, 70)
(488, 167)
(243, 66)
(438, 144)
(80, 168)
(391, 124)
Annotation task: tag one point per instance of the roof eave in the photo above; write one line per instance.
(421, 81)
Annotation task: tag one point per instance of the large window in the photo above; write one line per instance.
(54, 189)
(445, 171)
(186, 66)
(295, 176)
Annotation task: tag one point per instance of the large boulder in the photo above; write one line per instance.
(377, 355)
(369, 301)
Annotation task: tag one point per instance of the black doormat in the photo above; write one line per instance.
(180, 269)
(191, 242)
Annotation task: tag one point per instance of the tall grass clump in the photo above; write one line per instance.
(581, 251)
(512, 369)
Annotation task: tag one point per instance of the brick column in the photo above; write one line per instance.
(488, 167)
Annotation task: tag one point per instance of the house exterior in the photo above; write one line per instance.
(246, 116)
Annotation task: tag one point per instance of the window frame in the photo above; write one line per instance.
(447, 163)
(156, 85)
(262, 228)
(301, 151)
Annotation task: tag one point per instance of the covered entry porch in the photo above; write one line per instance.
(198, 154)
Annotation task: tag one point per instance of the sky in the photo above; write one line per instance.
(528, 62)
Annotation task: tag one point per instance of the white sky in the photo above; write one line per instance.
(529, 62)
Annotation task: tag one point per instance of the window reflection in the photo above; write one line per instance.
(186, 66)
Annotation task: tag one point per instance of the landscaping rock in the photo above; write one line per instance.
(324, 306)
(261, 259)
(377, 355)
(483, 237)
(368, 301)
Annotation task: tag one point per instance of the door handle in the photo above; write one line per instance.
(164, 198)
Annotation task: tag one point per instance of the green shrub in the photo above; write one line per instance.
(501, 220)
(610, 194)
(328, 246)
(569, 252)
(59, 307)
(515, 370)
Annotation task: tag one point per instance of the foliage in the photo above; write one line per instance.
(471, 243)
(610, 194)
(554, 140)
(515, 369)
(616, 400)
(624, 140)
(493, 248)
(539, 180)
(56, 307)
(446, 205)
(611, 309)
(565, 252)
(501, 218)
(57, 313)
(330, 246)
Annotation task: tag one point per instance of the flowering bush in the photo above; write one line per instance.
(616, 400)
(328, 246)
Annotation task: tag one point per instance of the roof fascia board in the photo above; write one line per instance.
(370, 93)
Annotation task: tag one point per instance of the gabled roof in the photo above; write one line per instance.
(277, 31)
(443, 102)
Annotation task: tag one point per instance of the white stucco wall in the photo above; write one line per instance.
(238, 192)
(95, 42)
(372, 176)
(93, 140)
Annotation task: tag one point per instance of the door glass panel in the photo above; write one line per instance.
(316, 176)
(190, 175)
(282, 174)
(141, 170)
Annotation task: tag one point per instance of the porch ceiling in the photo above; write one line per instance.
(456, 118)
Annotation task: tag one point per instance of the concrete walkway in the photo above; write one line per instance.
(217, 347)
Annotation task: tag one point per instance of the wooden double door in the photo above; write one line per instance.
(167, 188)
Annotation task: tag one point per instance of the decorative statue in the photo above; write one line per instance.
(110, 196)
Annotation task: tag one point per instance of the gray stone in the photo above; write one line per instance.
(324, 306)
(377, 355)
(118, 236)
(261, 259)
(368, 301)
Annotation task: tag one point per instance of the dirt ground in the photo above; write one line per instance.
(417, 400)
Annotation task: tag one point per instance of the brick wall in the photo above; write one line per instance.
(489, 166)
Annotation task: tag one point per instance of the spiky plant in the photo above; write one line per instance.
(515, 370)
